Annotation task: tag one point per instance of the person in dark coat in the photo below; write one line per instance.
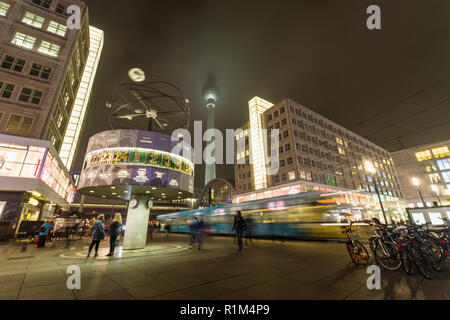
(98, 234)
(115, 228)
(238, 227)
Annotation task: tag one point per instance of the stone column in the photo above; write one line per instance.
(137, 224)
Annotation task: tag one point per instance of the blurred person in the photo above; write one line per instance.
(167, 228)
(98, 234)
(249, 223)
(43, 233)
(200, 232)
(150, 229)
(115, 229)
(238, 227)
(193, 229)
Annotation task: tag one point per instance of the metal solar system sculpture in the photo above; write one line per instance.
(148, 102)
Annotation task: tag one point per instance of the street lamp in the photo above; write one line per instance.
(416, 182)
(436, 190)
(370, 169)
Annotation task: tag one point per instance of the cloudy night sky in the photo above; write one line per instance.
(391, 86)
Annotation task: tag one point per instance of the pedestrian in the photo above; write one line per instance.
(43, 233)
(238, 228)
(249, 229)
(150, 229)
(193, 228)
(167, 228)
(115, 228)
(200, 232)
(98, 234)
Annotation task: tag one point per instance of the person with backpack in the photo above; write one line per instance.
(98, 234)
(115, 228)
(43, 233)
(238, 227)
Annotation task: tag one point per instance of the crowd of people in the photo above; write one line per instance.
(241, 226)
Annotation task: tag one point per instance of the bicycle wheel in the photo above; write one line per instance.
(420, 263)
(431, 256)
(358, 253)
(407, 263)
(386, 255)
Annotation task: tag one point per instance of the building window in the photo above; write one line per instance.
(60, 8)
(275, 114)
(291, 175)
(282, 163)
(43, 3)
(282, 110)
(56, 28)
(446, 176)
(423, 155)
(276, 179)
(287, 147)
(13, 63)
(30, 95)
(18, 123)
(443, 164)
(283, 177)
(41, 71)
(283, 122)
(48, 48)
(269, 117)
(289, 161)
(33, 20)
(23, 40)
(341, 151)
(6, 89)
(441, 152)
(4, 7)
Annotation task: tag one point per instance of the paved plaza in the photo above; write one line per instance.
(169, 269)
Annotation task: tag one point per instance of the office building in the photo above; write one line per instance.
(424, 173)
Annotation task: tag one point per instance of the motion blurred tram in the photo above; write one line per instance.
(308, 215)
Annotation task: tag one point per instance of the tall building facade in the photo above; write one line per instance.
(44, 71)
(424, 173)
(46, 77)
(314, 153)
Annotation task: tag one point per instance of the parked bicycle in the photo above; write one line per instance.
(358, 253)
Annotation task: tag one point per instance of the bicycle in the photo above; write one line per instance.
(384, 247)
(358, 253)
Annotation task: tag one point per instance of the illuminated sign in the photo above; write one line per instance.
(141, 157)
(33, 202)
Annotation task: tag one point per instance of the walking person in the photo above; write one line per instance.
(238, 228)
(167, 228)
(98, 234)
(249, 229)
(115, 228)
(200, 232)
(43, 233)
(193, 228)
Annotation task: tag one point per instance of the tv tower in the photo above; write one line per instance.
(210, 95)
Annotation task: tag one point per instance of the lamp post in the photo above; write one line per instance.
(436, 190)
(416, 182)
(370, 169)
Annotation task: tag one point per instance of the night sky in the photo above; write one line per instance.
(391, 85)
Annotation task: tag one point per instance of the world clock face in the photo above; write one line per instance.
(136, 74)
(133, 203)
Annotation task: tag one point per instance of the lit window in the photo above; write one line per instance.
(30, 95)
(33, 20)
(23, 40)
(441, 152)
(446, 176)
(444, 164)
(341, 151)
(57, 28)
(6, 89)
(4, 7)
(291, 175)
(13, 63)
(423, 155)
(339, 140)
(41, 71)
(48, 48)
(18, 123)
